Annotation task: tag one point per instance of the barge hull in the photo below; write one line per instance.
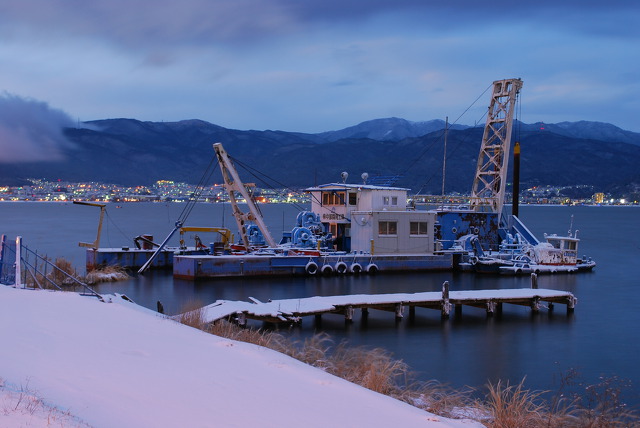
(129, 258)
(201, 267)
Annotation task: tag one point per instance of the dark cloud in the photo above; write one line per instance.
(149, 22)
(145, 23)
(30, 130)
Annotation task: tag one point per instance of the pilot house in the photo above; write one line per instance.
(374, 219)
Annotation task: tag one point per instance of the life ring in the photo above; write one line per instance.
(476, 230)
(327, 270)
(454, 230)
(355, 268)
(311, 268)
(341, 268)
(372, 268)
(473, 260)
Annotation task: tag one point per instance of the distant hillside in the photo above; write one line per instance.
(389, 129)
(131, 152)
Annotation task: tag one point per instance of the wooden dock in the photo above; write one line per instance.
(293, 310)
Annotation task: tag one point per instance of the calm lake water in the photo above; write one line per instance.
(601, 339)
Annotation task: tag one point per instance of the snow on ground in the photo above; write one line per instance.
(110, 365)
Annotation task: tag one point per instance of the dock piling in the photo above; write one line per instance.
(399, 311)
(534, 281)
(348, 314)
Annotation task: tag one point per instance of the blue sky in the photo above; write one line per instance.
(313, 66)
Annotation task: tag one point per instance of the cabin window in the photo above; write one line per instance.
(571, 245)
(394, 200)
(333, 198)
(388, 228)
(385, 200)
(418, 228)
(325, 198)
(353, 198)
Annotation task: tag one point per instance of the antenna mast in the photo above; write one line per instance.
(444, 156)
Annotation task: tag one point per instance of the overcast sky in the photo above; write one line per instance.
(320, 65)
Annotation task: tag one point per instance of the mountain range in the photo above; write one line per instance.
(598, 155)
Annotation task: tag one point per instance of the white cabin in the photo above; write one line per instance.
(373, 219)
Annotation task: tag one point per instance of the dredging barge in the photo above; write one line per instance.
(361, 228)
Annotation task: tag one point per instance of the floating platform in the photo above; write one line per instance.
(132, 258)
(292, 310)
(205, 266)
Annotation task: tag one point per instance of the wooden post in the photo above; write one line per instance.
(365, 313)
(446, 306)
(571, 304)
(535, 304)
(242, 319)
(348, 314)
(399, 311)
(412, 313)
(534, 281)
(458, 310)
(318, 320)
(491, 307)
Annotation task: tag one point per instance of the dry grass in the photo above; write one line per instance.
(107, 274)
(32, 410)
(192, 314)
(513, 406)
(504, 406)
(51, 274)
(375, 369)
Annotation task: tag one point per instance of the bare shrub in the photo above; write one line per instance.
(601, 405)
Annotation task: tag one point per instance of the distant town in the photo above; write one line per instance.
(170, 191)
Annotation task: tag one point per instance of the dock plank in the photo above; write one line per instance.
(291, 310)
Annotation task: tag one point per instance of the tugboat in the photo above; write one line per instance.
(559, 254)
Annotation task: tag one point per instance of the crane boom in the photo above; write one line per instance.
(490, 181)
(233, 184)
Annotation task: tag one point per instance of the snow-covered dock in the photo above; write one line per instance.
(292, 310)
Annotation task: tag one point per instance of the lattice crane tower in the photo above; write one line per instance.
(490, 181)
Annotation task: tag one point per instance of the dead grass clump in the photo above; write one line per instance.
(267, 339)
(313, 351)
(192, 314)
(62, 271)
(107, 274)
(513, 406)
(443, 400)
(51, 275)
(375, 369)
